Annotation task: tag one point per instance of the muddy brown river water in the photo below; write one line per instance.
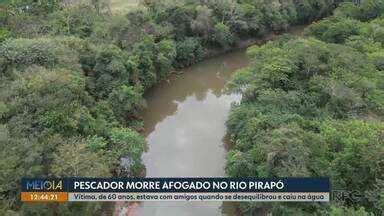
(185, 130)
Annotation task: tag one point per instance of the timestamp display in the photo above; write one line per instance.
(44, 196)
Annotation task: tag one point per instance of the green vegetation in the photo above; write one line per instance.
(314, 107)
(72, 78)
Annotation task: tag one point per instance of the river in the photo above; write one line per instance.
(185, 130)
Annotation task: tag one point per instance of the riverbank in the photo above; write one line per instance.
(245, 43)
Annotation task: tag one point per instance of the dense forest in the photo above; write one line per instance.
(314, 106)
(73, 74)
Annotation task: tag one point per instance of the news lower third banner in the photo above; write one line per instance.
(176, 189)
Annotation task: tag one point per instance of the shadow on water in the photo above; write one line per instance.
(199, 80)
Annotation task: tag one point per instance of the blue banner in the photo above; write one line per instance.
(176, 185)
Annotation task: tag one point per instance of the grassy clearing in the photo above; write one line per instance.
(123, 6)
(4, 2)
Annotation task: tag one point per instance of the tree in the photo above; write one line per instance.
(202, 24)
(371, 9)
(189, 51)
(51, 101)
(348, 9)
(128, 30)
(4, 34)
(126, 101)
(25, 54)
(340, 211)
(109, 71)
(335, 30)
(144, 58)
(166, 54)
(180, 18)
(78, 20)
(30, 51)
(126, 143)
(357, 155)
(73, 158)
(10, 170)
(222, 35)
(247, 20)
(275, 16)
(34, 7)
(378, 59)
